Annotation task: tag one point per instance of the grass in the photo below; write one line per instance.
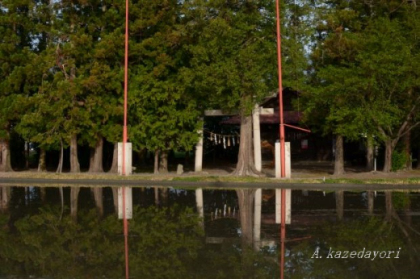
(394, 181)
(208, 178)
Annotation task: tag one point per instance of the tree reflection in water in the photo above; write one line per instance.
(163, 244)
(168, 241)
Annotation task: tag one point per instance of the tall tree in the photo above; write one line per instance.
(82, 80)
(15, 51)
(233, 65)
(103, 77)
(390, 61)
(42, 18)
(365, 68)
(164, 114)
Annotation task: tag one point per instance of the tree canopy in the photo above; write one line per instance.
(355, 64)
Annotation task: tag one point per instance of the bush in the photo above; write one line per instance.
(399, 160)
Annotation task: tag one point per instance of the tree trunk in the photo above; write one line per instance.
(339, 203)
(339, 156)
(418, 159)
(369, 153)
(74, 198)
(74, 161)
(163, 162)
(246, 200)
(97, 194)
(371, 202)
(42, 161)
(245, 165)
(388, 205)
(60, 161)
(388, 156)
(156, 162)
(96, 156)
(407, 150)
(91, 158)
(6, 164)
(114, 166)
(27, 155)
(5, 194)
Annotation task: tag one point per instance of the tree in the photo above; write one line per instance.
(103, 79)
(365, 77)
(15, 76)
(233, 64)
(164, 113)
(81, 84)
(331, 102)
(390, 61)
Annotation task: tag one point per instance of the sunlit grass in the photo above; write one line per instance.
(192, 177)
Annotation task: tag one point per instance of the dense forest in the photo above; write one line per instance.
(356, 65)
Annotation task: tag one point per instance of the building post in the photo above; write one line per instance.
(199, 152)
(257, 137)
(125, 160)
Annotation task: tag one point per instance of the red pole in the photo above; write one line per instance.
(282, 146)
(125, 88)
(125, 140)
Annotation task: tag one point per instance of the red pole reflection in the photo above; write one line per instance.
(282, 145)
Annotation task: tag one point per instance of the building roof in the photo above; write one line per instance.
(290, 117)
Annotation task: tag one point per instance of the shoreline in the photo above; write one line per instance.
(220, 179)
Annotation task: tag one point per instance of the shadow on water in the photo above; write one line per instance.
(74, 232)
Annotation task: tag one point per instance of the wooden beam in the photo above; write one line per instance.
(219, 112)
(266, 111)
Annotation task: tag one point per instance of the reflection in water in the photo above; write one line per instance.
(5, 197)
(167, 239)
(163, 242)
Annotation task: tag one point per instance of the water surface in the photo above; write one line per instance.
(74, 232)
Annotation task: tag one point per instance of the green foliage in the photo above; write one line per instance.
(163, 112)
(16, 76)
(233, 52)
(399, 160)
(163, 244)
(79, 75)
(400, 200)
(230, 261)
(364, 71)
(352, 236)
(298, 27)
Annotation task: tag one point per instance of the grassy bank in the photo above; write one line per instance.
(394, 179)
